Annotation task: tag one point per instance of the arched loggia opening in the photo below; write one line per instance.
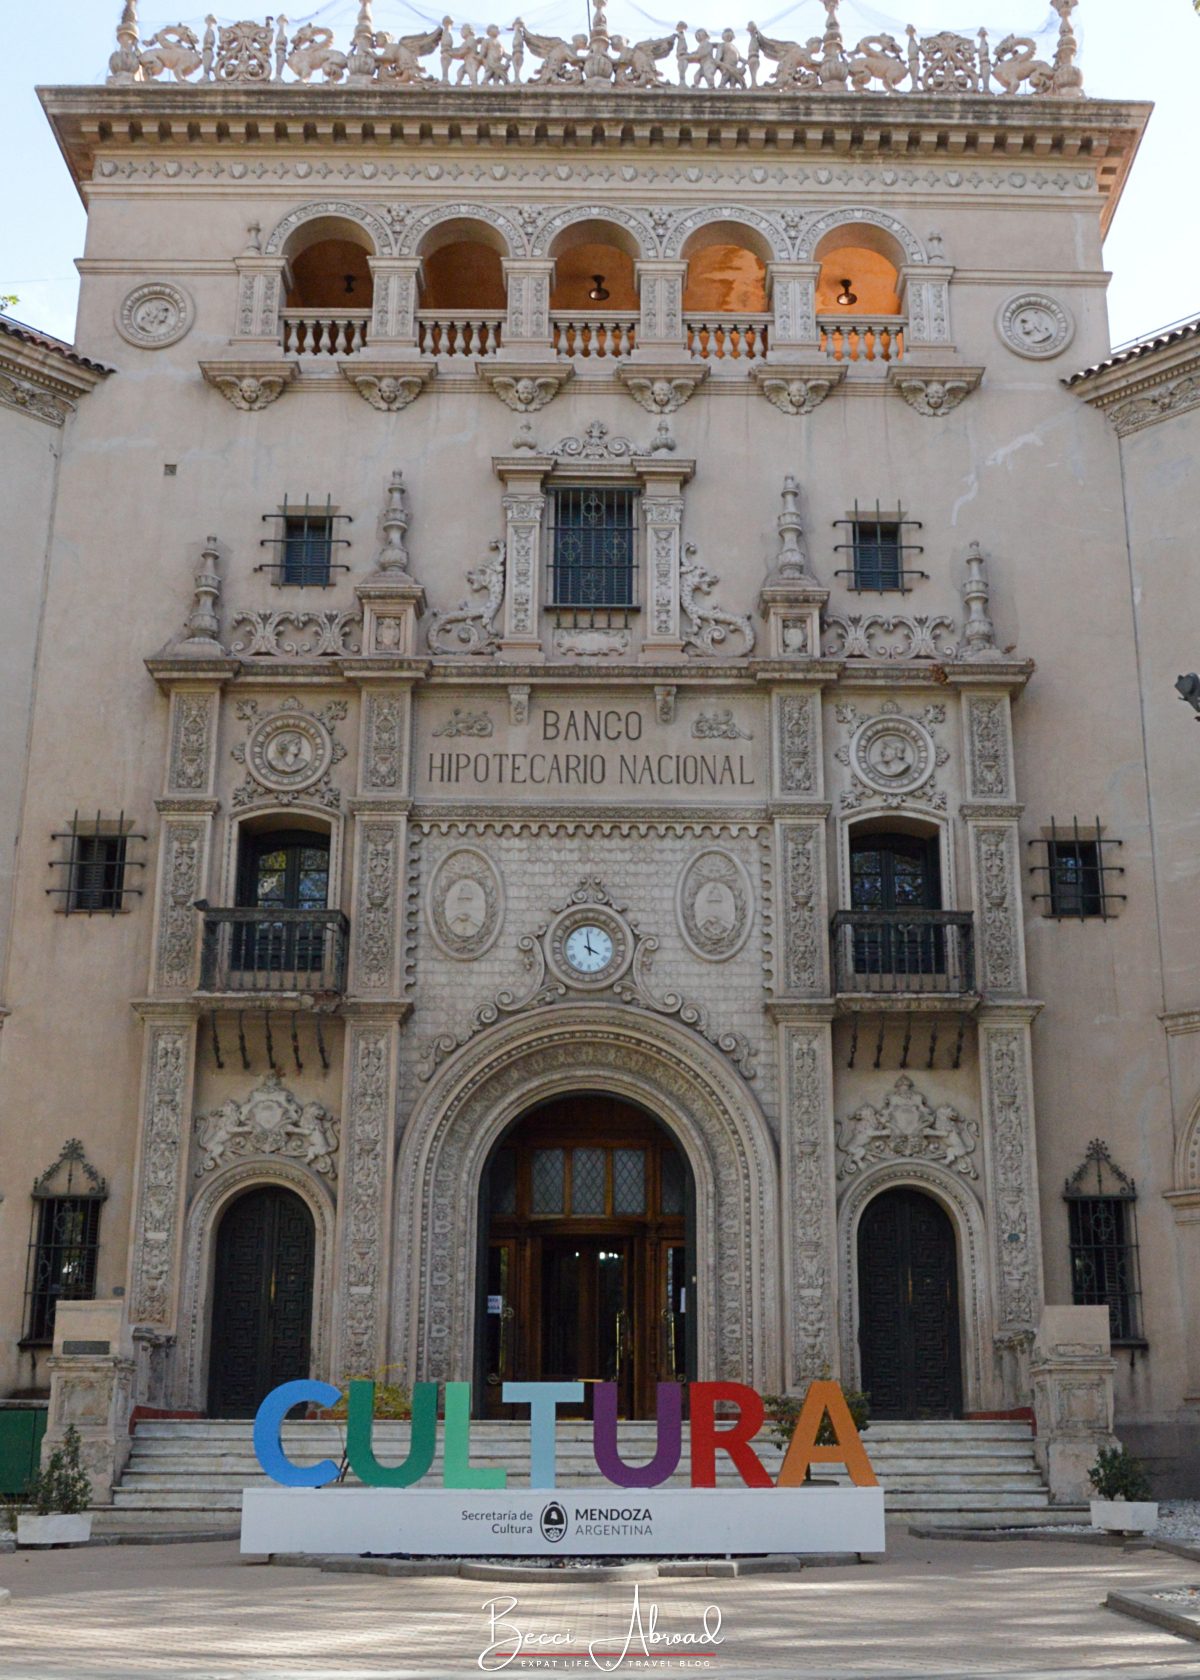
(330, 289)
(725, 294)
(594, 300)
(859, 309)
(587, 1255)
(463, 291)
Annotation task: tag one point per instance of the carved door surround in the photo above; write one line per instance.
(691, 1089)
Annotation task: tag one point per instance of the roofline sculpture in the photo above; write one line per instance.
(264, 54)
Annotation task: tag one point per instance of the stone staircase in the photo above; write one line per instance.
(189, 1475)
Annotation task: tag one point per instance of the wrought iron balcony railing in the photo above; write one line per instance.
(904, 952)
(260, 951)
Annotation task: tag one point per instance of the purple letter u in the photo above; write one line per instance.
(670, 1437)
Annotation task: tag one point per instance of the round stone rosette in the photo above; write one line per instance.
(1035, 325)
(893, 754)
(289, 752)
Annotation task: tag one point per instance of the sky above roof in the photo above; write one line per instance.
(1149, 52)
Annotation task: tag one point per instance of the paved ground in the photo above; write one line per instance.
(934, 1609)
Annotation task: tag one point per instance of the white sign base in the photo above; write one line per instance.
(562, 1521)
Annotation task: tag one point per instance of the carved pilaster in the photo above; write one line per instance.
(1010, 1156)
(999, 922)
(377, 919)
(810, 1282)
(664, 527)
(660, 326)
(802, 947)
(394, 313)
(527, 322)
(796, 768)
(385, 740)
(523, 511)
(260, 298)
(925, 304)
(182, 873)
(167, 1069)
(792, 292)
(363, 1242)
(987, 748)
(193, 742)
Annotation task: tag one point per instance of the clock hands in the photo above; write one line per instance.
(587, 943)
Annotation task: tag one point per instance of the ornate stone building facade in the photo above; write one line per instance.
(577, 614)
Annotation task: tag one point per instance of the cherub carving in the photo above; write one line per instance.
(525, 393)
(637, 65)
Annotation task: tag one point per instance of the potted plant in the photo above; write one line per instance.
(1123, 1504)
(57, 1503)
(784, 1413)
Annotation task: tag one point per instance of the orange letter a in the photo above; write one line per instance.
(825, 1397)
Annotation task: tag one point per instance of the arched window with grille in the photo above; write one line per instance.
(1101, 1208)
(64, 1240)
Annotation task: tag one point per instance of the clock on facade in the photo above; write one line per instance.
(588, 948)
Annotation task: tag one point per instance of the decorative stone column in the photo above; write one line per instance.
(792, 294)
(661, 334)
(1011, 1190)
(160, 1171)
(396, 282)
(524, 511)
(662, 481)
(924, 290)
(1072, 1376)
(261, 289)
(365, 1193)
(809, 1194)
(91, 1386)
(527, 321)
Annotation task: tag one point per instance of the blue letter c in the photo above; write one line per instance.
(267, 1424)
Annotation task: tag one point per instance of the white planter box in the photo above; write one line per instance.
(1125, 1516)
(54, 1530)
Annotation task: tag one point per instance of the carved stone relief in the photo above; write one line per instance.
(1015, 1218)
(182, 853)
(365, 1148)
(987, 748)
(385, 721)
(800, 908)
(374, 929)
(465, 903)
(999, 907)
(1036, 325)
(460, 722)
(892, 757)
(708, 627)
(798, 744)
(289, 753)
(32, 399)
(715, 905)
(192, 719)
(890, 636)
(155, 315)
(164, 1142)
(271, 1120)
(590, 643)
(472, 629)
(808, 1243)
(906, 1125)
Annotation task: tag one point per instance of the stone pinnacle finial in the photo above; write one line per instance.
(979, 634)
(202, 628)
(791, 561)
(125, 65)
(393, 556)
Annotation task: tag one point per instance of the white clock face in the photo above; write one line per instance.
(588, 948)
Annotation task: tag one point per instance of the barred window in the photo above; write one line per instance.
(1076, 877)
(1103, 1237)
(878, 550)
(96, 865)
(593, 547)
(307, 550)
(64, 1240)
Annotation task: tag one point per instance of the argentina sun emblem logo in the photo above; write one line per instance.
(554, 1523)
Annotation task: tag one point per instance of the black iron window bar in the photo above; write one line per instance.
(1076, 873)
(878, 550)
(1105, 1268)
(593, 549)
(303, 545)
(96, 863)
(64, 1241)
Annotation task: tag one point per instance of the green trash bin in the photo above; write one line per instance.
(21, 1429)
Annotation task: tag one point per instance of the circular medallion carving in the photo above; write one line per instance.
(1035, 325)
(601, 929)
(155, 315)
(289, 751)
(715, 905)
(465, 904)
(893, 754)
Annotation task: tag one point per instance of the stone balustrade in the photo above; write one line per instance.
(263, 54)
(310, 332)
(862, 338)
(715, 337)
(593, 335)
(439, 334)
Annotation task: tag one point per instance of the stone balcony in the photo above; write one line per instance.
(269, 954)
(903, 958)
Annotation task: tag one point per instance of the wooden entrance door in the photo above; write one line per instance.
(908, 1307)
(588, 1277)
(262, 1300)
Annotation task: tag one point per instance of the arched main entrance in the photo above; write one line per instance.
(587, 1214)
(908, 1307)
(262, 1299)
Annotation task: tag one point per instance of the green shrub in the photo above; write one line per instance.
(62, 1486)
(1116, 1474)
(784, 1412)
(392, 1399)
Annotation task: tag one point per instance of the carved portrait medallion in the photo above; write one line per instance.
(714, 904)
(1035, 325)
(465, 903)
(155, 315)
(893, 754)
(289, 751)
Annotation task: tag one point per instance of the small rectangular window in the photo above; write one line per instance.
(1075, 885)
(63, 1262)
(593, 547)
(878, 550)
(307, 550)
(93, 871)
(1103, 1262)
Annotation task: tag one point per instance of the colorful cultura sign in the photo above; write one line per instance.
(474, 1512)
